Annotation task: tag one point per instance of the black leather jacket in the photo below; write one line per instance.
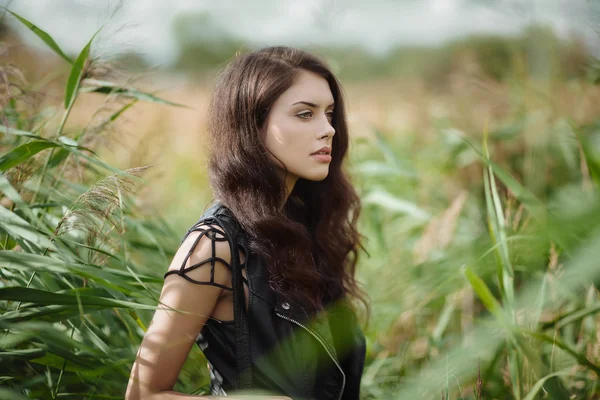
(292, 353)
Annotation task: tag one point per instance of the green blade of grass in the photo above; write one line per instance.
(58, 158)
(532, 204)
(9, 191)
(580, 357)
(498, 234)
(17, 132)
(58, 362)
(51, 313)
(76, 74)
(529, 200)
(12, 340)
(120, 111)
(36, 296)
(23, 153)
(382, 169)
(137, 320)
(484, 294)
(106, 277)
(105, 87)
(514, 367)
(540, 302)
(384, 145)
(65, 143)
(7, 394)
(19, 229)
(592, 160)
(382, 198)
(493, 236)
(496, 214)
(443, 320)
(42, 35)
(22, 354)
(58, 342)
(532, 395)
(572, 317)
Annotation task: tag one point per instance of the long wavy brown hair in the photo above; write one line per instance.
(311, 244)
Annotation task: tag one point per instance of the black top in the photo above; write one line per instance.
(290, 351)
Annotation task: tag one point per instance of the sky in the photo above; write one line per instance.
(145, 26)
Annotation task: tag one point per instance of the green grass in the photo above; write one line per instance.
(482, 270)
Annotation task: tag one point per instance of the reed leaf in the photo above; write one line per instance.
(579, 356)
(23, 232)
(41, 297)
(590, 155)
(535, 389)
(77, 73)
(534, 205)
(10, 192)
(485, 295)
(17, 132)
(46, 38)
(7, 394)
(23, 153)
(96, 86)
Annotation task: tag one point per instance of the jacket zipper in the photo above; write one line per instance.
(324, 346)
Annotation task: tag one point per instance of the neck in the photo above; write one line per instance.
(290, 182)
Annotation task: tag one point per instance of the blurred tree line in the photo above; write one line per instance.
(205, 45)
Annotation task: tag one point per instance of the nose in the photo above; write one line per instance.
(328, 130)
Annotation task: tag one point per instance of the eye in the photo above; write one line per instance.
(304, 113)
(330, 115)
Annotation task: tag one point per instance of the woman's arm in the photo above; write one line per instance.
(171, 334)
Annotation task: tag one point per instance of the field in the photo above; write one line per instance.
(481, 207)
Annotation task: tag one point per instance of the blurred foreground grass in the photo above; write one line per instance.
(481, 209)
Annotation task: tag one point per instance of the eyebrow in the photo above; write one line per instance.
(311, 104)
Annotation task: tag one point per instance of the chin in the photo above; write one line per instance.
(316, 177)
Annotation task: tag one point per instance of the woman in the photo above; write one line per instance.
(264, 281)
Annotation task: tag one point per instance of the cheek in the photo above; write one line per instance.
(287, 141)
(284, 139)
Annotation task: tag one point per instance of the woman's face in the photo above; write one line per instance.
(299, 124)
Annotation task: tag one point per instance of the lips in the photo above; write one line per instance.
(322, 157)
(325, 149)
